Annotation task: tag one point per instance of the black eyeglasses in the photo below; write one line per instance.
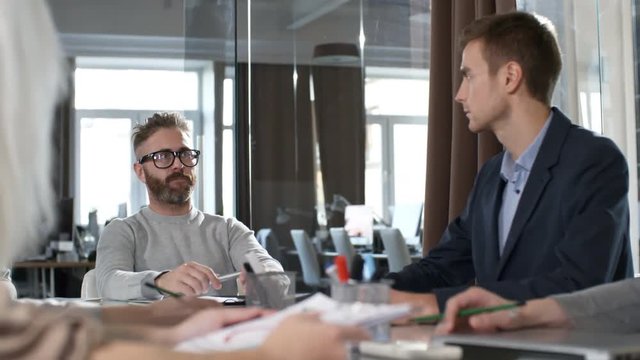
(164, 158)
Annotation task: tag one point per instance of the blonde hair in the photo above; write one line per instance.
(32, 76)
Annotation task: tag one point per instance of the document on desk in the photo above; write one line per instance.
(253, 333)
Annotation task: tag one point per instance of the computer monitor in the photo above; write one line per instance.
(358, 222)
(406, 218)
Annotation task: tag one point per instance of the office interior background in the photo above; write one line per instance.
(299, 106)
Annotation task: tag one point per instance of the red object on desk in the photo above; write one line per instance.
(341, 268)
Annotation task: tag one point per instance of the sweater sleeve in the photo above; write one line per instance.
(610, 307)
(116, 277)
(242, 241)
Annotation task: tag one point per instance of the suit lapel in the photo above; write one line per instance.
(540, 175)
(492, 248)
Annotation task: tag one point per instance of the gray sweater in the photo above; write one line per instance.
(137, 249)
(613, 307)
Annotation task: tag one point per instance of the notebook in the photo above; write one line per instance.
(547, 344)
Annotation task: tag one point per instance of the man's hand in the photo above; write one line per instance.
(304, 336)
(190, 278)
(206, 321)
(169, 311)
(544, 312)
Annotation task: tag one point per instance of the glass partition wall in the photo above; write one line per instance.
(303, 106)
(332, 98)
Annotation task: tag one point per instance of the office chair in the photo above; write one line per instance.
(89, 289)
(308, 257)
(269, 241)
(342, 243)
(407, 219)
(396, 249)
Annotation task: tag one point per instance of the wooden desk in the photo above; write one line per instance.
(51, 265)
(412, 332)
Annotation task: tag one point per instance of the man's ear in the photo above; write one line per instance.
(512, 76)
(137, 168)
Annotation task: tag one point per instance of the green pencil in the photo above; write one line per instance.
(163, 291)
(429, 319)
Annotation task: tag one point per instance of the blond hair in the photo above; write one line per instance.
(31, 77)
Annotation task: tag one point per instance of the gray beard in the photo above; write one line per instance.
(163, 193)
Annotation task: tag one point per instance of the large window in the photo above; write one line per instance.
(396, 156)
(109, 102)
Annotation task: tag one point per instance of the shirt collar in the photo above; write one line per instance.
(525, 161)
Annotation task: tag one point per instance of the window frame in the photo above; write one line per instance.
(138, 190)
(387, 123)
(200, 136)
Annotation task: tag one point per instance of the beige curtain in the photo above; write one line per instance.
(454, 154)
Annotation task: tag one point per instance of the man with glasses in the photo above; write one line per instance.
(170, 244)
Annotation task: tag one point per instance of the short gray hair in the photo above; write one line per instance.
(160, 120)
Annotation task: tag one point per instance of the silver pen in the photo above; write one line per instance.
(231, 276)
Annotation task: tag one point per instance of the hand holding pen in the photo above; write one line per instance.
(481, 310)
(192, 278)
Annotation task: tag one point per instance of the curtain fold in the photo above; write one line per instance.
(62, 139)
(242, 145)
(454, 154)
(281, 180)
(339, 97)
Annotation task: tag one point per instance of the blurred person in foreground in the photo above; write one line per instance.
(31, 77)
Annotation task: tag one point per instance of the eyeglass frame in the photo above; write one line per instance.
(176, 154)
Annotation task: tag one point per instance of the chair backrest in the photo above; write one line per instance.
(89, 289)
(342, 243)
(308, 257)
(396, 249)
(269, 241)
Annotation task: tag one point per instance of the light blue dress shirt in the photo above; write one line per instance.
(516, 173)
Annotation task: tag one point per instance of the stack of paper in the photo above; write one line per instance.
(253, 333)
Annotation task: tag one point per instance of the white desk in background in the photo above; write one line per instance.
(39, 269)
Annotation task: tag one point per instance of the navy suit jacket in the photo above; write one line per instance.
(570, 230)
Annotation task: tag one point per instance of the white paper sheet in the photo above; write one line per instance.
(253, 333)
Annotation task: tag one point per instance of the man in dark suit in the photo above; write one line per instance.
(547, 215)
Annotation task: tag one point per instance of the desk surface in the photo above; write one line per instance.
(412, 332)
(49, 264)
(547, 344)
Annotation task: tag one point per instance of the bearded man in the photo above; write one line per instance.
(170, 243)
